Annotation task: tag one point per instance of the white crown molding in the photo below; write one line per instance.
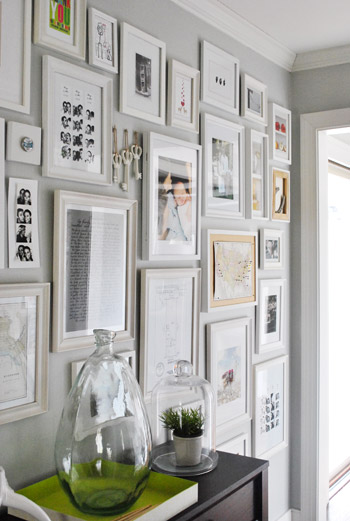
(227, 21)
(323, 58)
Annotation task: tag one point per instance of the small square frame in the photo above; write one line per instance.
(179, 72)
(257, 171)
(271, 255)
(251, 87)
(280, 132)
(280, 207)
(271, 319)
(14, 136)
(99, 61)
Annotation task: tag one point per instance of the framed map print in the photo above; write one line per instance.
(183, 96)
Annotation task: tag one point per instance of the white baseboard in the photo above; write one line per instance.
(291, 515)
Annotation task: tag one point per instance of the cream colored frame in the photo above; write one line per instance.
(285, 176)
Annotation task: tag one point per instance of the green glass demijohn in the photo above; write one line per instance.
(103, 442)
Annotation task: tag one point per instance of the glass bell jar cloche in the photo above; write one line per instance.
(103, 443)
(183, 423)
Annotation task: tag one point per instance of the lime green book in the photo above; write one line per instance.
(167, 495)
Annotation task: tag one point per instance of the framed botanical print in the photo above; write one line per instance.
(280, 131)
(142, 75)
(280, 195)
(2, 193)
(271, 249)
(171, 200)
(61, 25)
(183, 96)
(257, 175)
(77, 122)
(253, 100)
(223, 187)
(271, 315)
(103, 41)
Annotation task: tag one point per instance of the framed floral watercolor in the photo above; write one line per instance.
(183, 96)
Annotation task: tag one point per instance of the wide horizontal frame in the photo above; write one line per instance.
(285, 175)
(280, 343)
(175, 67)
(92, 13)
(250, 212)
(265, 234)
(274, 111)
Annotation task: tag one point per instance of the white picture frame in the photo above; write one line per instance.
(15, 44)
(280, 195)
(183, 96)
(224, 183)
(130, 357)
(271, 390)
(280, 132)
(179, 314)
(219, 78)
(2, 194)
(103, 53)
(18, 137)
(24, 318)
(257, 175)
(77, 122)
(271, 319)
(271, 249)
(240, 444)
(99, 234)
(142, 75)
(253, 99)
(171, 198)
(52, 31)
(229, 351)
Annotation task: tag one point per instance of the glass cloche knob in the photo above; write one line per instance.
(183, 368)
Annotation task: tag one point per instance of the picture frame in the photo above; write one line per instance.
(77, 122)
(169, 297)
(224, 185)
(271, 319)
(61, 28)
(240, 444)
(24, 319)
(280, 131)
(229, 270)
(270, 422)
(229, 348)
(271, 249)
(142, 75)
(16, 26)
(130, 357)
(183, 96)
(23, 143)
(253, 99)
(171, 198)
(2, 194)
(94, 268)
(280, 195)
(103, 53)
(257, 171)
(219, 78)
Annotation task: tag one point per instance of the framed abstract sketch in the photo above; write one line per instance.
(103, 41)
(280, 131)
(280, 195)
(142, 75)
(2, 193)
(61, 25)
(253, 100)
(223, 187)
(257, 175)
(183, 96)
(270, 328)
(271, 249)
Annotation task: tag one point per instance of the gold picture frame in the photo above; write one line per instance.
(280, 195)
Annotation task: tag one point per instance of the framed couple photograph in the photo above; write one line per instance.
(253, 99)
(257, 175)
(280, 131)
(271, 318)
(280, 195)
(171, 198)
(271, 249)
(223, 187)
(183, 96)
(103, 41)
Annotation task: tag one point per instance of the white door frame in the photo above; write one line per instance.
(314, 314)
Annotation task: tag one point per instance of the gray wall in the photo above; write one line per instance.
(26, 448)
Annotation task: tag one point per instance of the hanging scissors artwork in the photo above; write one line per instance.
(137, 153)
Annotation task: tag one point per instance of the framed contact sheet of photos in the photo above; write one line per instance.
(103, 41)
(270, 327)
(77, 122)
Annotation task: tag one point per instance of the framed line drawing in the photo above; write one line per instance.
(240, 444)
(169, 322)
(280, 195)
(77, 122)
(103, 41)
(270, 430)
(271, 249)
(257, 181)
(142, 75)
(15, 45)
(130, 357)
(171, 198)
(183, 96)
(24, 347)
(271, 315)
(280, 131)
(230, 269)
(94, 268)
(253, 100)
(61, 26)
(224, 187)
(219, 78)
(229, 347)
(2, 193)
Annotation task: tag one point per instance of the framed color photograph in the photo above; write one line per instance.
(280, 195)
(270, 407)
(130, 357)
(142, 75)
(2, 193)
(271, 249)
(257, 172)
(94, 268)
(103, 41)
(61, 25)
(171, 198)
(270, 330)
(253, 100)
(280, 131)
(230, 269)
(183, 96)
(77, 122)
(24, 348)
(169, 322)
(223, 188)
(229, 347)
(219, 78)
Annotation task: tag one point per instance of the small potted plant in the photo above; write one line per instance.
(187, 428)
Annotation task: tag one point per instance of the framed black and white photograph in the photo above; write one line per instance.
(77, 122)
(270, 327)
(183, 96)
(280, 131)
(2, 193)
(219, 78)
(94, 268)
(170, 303)
(253, 99)
(257, 175)
(171, 198)
(24, 349)
(103, 41)
(142, 75)
(271, 249)
(223, 187)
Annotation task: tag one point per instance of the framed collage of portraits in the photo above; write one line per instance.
(183, 96)
(103, 41)
(257, 175)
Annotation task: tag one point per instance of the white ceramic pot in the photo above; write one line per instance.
(188, 451)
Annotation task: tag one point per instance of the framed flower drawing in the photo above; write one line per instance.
(183, 96)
